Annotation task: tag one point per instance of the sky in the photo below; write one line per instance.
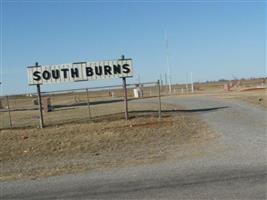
(212, 39)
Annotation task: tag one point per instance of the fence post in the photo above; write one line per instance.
(9, 114)
(159, 96)
(88, 103)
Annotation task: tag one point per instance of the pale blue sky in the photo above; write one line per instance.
(212, 40)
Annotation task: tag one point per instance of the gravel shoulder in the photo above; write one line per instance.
(242, 125)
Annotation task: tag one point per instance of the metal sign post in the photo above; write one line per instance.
(125, 94)
(40, 103)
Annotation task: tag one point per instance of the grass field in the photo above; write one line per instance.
(69, 107)
(255, 97)
(76, 147)
(249, 91)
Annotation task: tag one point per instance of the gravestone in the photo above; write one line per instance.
(47, 105)
(35, 102)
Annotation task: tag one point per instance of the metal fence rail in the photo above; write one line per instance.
(78, 105)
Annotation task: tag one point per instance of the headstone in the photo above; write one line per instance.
(77, 99)
(138, 92)
(226, 87)
(47, 105)
(35, 102)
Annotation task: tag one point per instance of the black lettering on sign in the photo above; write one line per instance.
(36, 76)
(65, 74)
(107, 70)
(117, 69)
(89, 71)
(75, 73)
(46, 75)
(126, 68)
(55, 74)
(98, 70)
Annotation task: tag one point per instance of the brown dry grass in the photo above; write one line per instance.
(256, 97)
(217, 86)
(30, 118)
(78, 147)
(69, 107)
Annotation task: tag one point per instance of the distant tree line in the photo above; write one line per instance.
(241, 79)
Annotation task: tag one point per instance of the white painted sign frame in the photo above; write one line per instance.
(80, 71)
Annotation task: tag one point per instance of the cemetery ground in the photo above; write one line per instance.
(256, 97)
(109, 142)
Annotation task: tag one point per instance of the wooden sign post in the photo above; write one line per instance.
(126, 114)
(41, 118)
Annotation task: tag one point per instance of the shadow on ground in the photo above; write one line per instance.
(182, 110)
(143, 113)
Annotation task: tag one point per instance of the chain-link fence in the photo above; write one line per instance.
(78, 105)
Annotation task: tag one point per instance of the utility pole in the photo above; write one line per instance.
(192, 83)
(161, 81)
(166, 81)
(168, 63)
(186, 83)
(1, 90)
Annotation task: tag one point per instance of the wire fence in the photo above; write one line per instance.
(78, 105)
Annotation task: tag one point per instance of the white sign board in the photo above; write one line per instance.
(82, 71)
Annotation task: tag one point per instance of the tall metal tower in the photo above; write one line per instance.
(168, 63)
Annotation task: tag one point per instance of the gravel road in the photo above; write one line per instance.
(233, 166)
